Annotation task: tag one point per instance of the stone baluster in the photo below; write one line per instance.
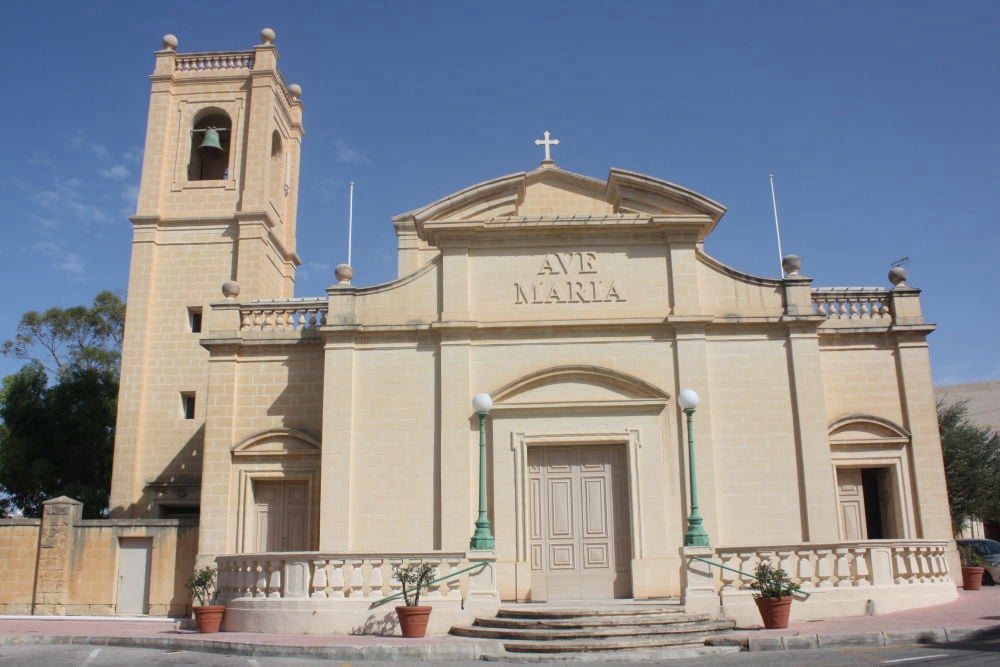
(806, 570)
(274, 570)
(843, 568)
(923, 558)
(912, 565)
(824, 567)
(862, 572)
(730, 581)
(394, 585)
(455, 583)
(375, 581)
(899, 561)
(319, 579)
(435, 591)
(337, 578)
(355, 588)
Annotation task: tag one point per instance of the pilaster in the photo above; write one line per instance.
(817, 488)
(458, 440)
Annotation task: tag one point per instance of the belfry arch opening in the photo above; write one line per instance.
(208, 164)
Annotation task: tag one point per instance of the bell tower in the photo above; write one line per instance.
(217, 203)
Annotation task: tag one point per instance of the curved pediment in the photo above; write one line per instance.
(552, 197)
(278, 442)
(861, 429)
(577, 385)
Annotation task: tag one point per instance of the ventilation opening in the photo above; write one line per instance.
(187, 404)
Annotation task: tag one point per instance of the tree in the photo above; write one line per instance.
(971, 464)
(63, 339)
(58, 439)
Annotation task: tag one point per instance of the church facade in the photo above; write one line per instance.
(320, 441)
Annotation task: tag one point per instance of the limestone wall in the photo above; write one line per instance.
(62, 565)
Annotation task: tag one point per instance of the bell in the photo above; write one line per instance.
(210, 146)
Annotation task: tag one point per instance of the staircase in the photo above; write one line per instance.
(598, 630)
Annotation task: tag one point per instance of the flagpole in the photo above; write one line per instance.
(777, 228)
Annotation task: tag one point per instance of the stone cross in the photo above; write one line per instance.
(548, 143)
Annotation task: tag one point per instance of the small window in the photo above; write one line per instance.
(187, 404)
(194, 319)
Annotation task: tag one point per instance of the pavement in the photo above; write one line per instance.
(974, 615)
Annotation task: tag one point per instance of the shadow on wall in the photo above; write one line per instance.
(386, 625)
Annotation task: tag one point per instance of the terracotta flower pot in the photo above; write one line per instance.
(972, 578)
(413, 620)
(209, 619)
(774, 611)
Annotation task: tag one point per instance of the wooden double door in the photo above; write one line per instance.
(281, 513)
(579, 535)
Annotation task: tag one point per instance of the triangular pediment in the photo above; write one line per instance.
(552, 197)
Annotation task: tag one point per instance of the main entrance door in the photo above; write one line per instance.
(867, 510)
(282, 515)
(579, 539)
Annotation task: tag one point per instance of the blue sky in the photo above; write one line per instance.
(878, 119)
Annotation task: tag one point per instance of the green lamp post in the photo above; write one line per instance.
(695, 535)
(483, 537)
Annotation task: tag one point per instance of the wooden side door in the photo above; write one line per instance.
(850, 494)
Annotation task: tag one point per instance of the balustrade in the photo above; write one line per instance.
(853, 564)
(284, 315)
(852, 303)
(347, 576)
(199, 62)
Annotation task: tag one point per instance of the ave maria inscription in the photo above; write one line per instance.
(567, 277)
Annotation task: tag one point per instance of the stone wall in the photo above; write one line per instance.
(61, 565)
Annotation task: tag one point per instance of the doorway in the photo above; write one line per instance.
(281, 511)
(867, 504)
(134, 554)
(579, 537)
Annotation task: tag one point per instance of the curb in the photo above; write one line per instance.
(855, 639)
(464, 651)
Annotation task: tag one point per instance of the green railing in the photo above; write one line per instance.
(450, 575)
(731, 569)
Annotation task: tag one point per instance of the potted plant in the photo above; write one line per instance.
(973, 566)
(202, 587)
(773, 594)
(415, 578)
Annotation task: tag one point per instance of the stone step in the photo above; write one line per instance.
(623, 656)
(571, 612)
(606, 645)
(590, 621)
(487, 629)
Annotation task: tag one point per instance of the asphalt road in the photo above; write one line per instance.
(977, 653)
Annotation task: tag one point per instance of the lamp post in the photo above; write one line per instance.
(695, 535)
(483, 537)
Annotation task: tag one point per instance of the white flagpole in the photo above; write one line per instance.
(777, 228)
(350, 221)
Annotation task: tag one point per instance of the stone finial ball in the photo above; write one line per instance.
(295, 90)
(343, 273)
(791, 264)
(267, 36)
(897, 276)
(170, 42)
(230, 289)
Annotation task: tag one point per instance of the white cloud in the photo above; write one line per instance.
(133, 155)
(116, 172)
(81, 142)
(345, 153)
(66, 199)
(69, 262)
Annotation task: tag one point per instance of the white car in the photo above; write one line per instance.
(990, 551)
